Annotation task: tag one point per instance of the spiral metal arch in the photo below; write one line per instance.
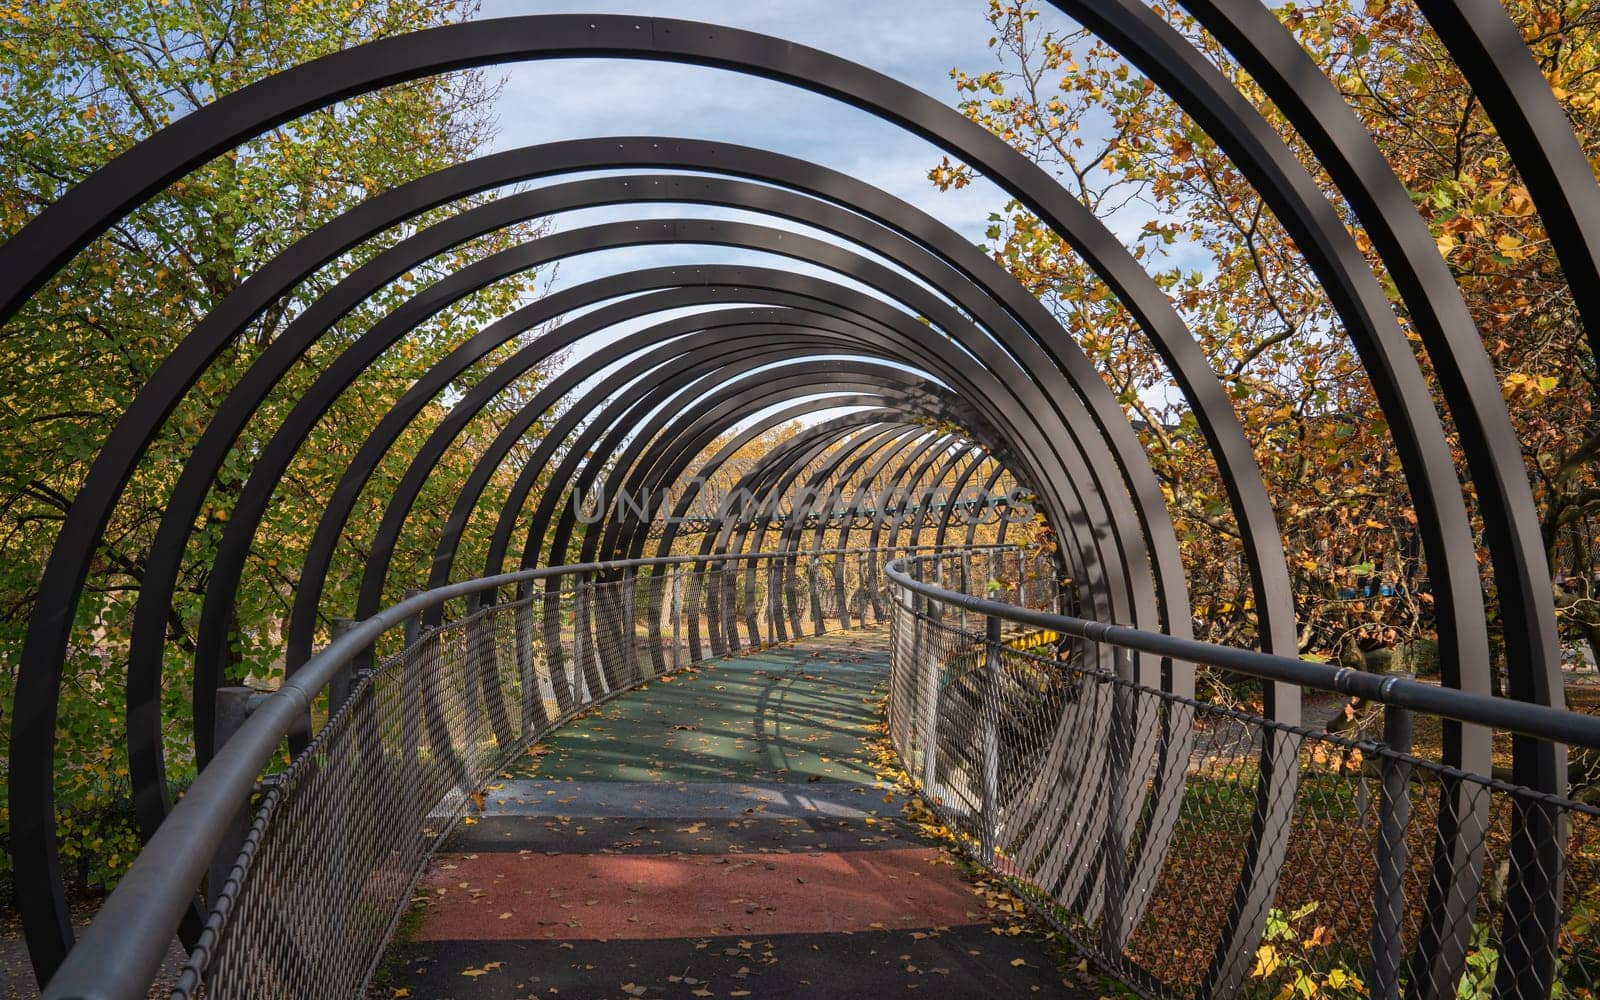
(1035, 406)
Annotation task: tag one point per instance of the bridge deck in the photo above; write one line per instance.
(718, 834)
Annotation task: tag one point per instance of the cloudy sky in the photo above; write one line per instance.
(917, 42)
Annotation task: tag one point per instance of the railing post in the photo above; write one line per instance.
(234, 705)
(411, 628)
(1388, 887)
(531, 714)
(630, 660)
(1119, 759)
(580, 629)
(966, 583)
(471, 669)
(411, 698)
(677, 612)
(988, 712)
(344, 680)
(866, 598)
(336, 878)
(930, 695)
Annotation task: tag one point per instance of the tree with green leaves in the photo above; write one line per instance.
(80, 82)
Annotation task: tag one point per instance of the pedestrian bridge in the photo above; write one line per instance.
(655, 777)
(624, 704)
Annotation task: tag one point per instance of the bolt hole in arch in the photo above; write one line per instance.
(1111, 570)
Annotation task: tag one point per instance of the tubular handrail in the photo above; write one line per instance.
(1541, 722)
(133, 929)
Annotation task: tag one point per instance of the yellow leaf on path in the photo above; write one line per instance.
(1018, 962)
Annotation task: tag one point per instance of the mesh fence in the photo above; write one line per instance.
(1195, 849)
(338, 838)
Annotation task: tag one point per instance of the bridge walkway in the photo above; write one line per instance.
(722, 832)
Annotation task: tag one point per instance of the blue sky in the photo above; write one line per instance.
(917, 42)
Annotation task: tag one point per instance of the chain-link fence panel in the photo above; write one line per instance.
(340, 835)
(1169, 837)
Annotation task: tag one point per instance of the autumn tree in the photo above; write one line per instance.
(1070, 103)
(80, 82)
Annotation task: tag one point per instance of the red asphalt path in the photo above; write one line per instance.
(507, 897)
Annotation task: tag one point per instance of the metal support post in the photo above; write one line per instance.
(532, 713)
(929, 699)
(1388, 887)
(630, 639)
(1114, 846)
(343, 682)
(410, 711)
(988, 722)
(234, 705)
(965, 585)
(861, 575)
(580, 630)
(677, 613)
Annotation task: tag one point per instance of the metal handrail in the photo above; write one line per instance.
(121, 951)
(1543, 722)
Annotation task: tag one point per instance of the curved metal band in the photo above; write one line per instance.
(275, 456)
(1265, 48)
(46, 244)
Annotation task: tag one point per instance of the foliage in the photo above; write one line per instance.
(1576, 957)
(1293, 959)
(1477, 979)
(80, 82)
(1120, 145)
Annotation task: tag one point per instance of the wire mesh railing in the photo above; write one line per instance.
(1193, 849)
(314, 864)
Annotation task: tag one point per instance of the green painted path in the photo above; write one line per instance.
(801, 713)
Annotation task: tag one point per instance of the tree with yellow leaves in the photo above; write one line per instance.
(1069, 102)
